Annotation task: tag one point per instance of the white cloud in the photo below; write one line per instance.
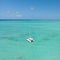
(17, 12)
(8, 12)
(32, 8)
(18, 15)
(12, 14)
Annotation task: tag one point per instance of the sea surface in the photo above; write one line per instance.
(14, 46)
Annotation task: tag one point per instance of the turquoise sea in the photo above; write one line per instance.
(14, 46)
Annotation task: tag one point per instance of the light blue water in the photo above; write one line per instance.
(13, 44)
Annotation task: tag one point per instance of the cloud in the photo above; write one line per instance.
(32, 8)
(18, 15)
(8, 12)
(11, 14)
(17, 12)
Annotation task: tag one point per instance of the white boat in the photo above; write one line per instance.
(30, 40)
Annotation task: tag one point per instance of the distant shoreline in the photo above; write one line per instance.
(29, 19)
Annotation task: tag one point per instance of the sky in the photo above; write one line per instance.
(29, 9)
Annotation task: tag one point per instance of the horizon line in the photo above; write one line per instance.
(26, 18)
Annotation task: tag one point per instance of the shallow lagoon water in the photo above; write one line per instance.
(13, 44)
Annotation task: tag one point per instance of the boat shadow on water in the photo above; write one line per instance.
(24, 36)
(19, 58)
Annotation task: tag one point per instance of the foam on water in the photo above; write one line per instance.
(13, 44)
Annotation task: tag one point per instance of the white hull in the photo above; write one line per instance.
(30, 40)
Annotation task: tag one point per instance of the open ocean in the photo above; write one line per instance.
(14, 46)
